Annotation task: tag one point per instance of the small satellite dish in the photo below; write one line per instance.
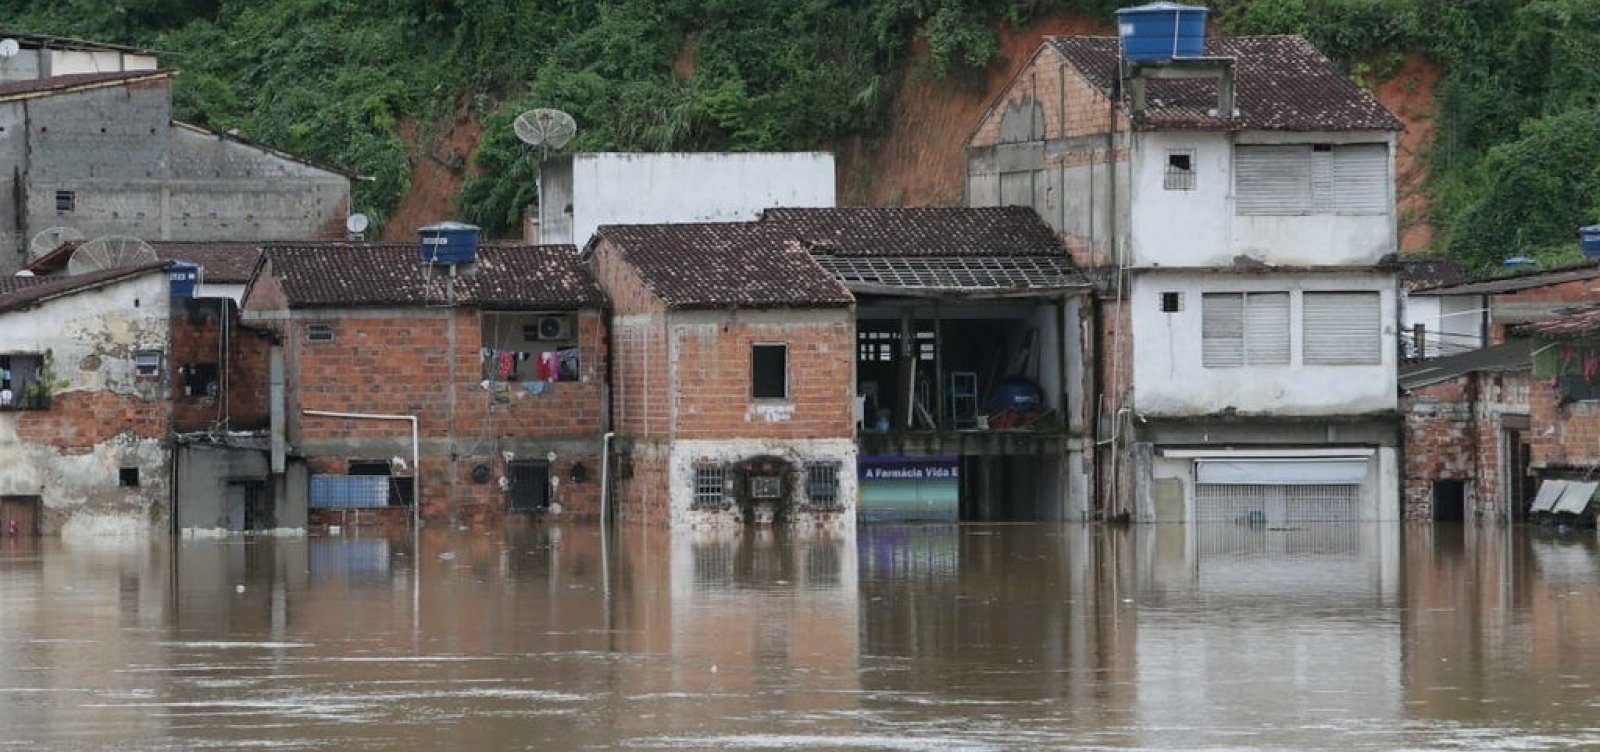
(551, 129)
(51, 238)
(24, 273)
(9, 48)
(110, 252)
(356, 223)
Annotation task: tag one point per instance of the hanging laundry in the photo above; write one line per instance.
(507, 366)
(549, 367)
(568, 363)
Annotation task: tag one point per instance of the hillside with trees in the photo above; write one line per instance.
(1512, 165)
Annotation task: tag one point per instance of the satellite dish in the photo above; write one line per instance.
(110, 252)
(551, 129)
(9, 48)
(24, 273)
(356, 224)
(51, 238)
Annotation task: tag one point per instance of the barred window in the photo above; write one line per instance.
(822, 483)
(710, 486)
(1180, 170)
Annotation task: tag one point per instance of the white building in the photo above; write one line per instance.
(25, 57)
(1239, 211)
(581, 192)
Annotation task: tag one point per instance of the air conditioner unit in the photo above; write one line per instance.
(555, 328)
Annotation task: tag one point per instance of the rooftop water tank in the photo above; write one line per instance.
(449, 243)
(1589, 240)
(185, 277)
(1159, 32)
(1519, 264)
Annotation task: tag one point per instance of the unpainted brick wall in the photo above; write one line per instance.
(1046, 80)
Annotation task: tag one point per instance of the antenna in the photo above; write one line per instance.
(354, 225)
(545, 128)
(51, 238)
(9, 48)
(110, 252)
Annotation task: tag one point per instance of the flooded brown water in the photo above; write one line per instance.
(893, 638)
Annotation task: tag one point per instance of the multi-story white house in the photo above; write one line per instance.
(1239, 211)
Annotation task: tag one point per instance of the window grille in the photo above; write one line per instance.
(1171, 302)
(66, 201)
(710, 486)
(1180, 170)
(319, 333)
(822, 484)
(147, 362)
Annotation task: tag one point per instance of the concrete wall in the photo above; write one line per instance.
(1170, 380)
(1201, 227)
(33, 63)
(133, 172)
(617, 188)
(1050, 143)
(102, 418)
(1451, 323)
(208, 496)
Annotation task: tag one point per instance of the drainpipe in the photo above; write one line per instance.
(416, 464)
(605, 476)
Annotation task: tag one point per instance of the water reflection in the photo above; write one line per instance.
(914, 637)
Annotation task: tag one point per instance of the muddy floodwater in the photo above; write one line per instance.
(970, 637)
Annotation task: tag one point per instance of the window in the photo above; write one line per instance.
(1171, 302)
(66, 201)
(769, 371)
(147, 363)
(199, 379)
(822, 484)
(1180, 170)
(24, 382)
(319, 333)
(1311, 179)
(710, 486)
(1342, 328)
(128, 477)
(1244, 329)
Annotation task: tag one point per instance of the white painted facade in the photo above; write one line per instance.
(1378, 485)
(92, 337)
(686, 453)
(578, 194)
(34, 61)
(1451, 324)
(1170, 378)
(1203, 226)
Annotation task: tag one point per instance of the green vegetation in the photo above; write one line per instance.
(1515, 169)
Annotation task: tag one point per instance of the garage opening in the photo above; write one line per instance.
(1277, 492)
(19, 516)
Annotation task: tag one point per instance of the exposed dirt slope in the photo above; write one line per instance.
(438, 165)
(1409, 94)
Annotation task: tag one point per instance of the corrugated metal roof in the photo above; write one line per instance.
(57, 84)
(1515, 355)
(1577, 321)
(1280, 83)
(512, 277)
(1543, 278)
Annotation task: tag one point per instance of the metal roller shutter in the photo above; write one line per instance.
(1239, 329)
(1222, 330)
(1266, 328)
(1360, 179)
(1272, 179)
(1276, 505)
(1342, 328)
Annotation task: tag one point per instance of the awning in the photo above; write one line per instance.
(1286, 471)
(1564, 496)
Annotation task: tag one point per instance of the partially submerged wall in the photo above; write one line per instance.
(97, 457)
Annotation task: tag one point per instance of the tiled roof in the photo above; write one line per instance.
(220, 263)
(1280, 83)
(998, 231)
(1577, 321)
(511, 277)
(54, 84)
(725, 265)
(21, 292)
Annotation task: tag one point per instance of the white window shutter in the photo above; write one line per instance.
(1360, 179)
(1266, 328)
(1342, 328)
(1272, 179)
(1222, 330)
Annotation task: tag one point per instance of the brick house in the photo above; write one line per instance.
(84, 411)
(1237, 213)
(1465, 315)
(502, 361)
(1564, 401)
(1468, 434)
(733, 386)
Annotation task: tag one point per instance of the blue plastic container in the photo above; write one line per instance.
(449, 243)
(1158, 32)
(1016, 393)
(185, 278)
(1589, 240)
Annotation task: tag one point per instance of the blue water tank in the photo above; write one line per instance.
(1589, 240)
(1519, 264)
(1016, 393)
(449, 243)
(1158, 32)
(185, 278)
